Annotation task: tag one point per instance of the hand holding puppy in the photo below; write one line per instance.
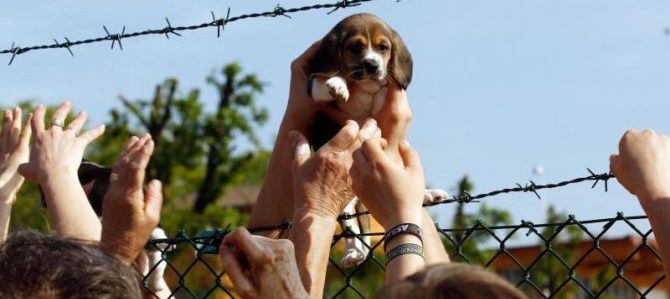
(322, 183)
(392, 192)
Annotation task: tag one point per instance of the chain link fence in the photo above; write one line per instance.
(571, 258)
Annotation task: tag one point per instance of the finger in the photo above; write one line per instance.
(38, 119)
(395, 116)
(61, 112)
(26, 133)
(373, 151)
(15, 130)
(343, 139)
(410, 157)
(366, 132)
(131, 142)
(140, 143)
(153, 201)
(140, 159)
(300, 63)
(232, 267)
(614, 163)
(301, 151)
(90, 135)
(78, 122)
(336, 114)
(245, 242)
(6, 127)
(361, 164)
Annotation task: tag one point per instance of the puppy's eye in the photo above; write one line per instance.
(356, 49)
(383, 48)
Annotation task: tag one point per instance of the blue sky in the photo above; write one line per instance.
(499, 86)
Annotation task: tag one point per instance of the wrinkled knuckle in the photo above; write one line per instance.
(285, 246)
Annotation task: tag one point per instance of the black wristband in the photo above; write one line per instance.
(402, 249)
(403, 228)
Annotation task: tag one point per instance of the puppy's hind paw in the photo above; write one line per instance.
(337, 87)
(434, 195)
(352, 257)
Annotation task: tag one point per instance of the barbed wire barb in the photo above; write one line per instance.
(15, 51)
(280, 11)
(115, 37)
(169, 29)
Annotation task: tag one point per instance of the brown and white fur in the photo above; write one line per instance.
(350, 69)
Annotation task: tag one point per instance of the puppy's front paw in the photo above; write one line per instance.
(434, 195)
(337, 87)
(352, 257)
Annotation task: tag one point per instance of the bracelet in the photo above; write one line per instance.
(403, 228)
(402, 249)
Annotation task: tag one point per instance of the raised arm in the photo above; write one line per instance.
(642, 166)
(394, 120)
(54, 159)
(14, 151)
(322, 187)
(275, 201)
(393, 193)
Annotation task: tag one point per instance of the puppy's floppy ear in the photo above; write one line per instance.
(401, 61)
(326, 60)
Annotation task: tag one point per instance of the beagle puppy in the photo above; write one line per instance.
(350, 70)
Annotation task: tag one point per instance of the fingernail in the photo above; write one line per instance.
(302, 149)
(369, 127)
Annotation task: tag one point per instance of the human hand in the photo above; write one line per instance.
(56, 151)
(14, 151)
(392, 192)
(260, 267)
(301, 109)
(394, 119)
(322, 183)
(130, 213)
(642, 165)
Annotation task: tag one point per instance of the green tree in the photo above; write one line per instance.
(196, 154)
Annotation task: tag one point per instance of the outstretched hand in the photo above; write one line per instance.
(642, 165)
(392, 192)
(321, 182)
(14, 151)
(130, 213)
(57, 150)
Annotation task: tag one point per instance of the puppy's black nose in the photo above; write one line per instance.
(370, 66)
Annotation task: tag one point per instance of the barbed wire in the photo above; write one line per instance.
(219, 23)
(529, 187)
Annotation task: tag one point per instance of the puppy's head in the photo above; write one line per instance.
(363, 47)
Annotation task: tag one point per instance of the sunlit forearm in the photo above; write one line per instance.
(312, 236)
(69, 211)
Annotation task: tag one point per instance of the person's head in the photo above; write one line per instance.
(35, 265)
(452, 280)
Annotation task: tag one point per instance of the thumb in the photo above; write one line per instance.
(410, 157)
(301, 151)
(153, 201)
(614, 163)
